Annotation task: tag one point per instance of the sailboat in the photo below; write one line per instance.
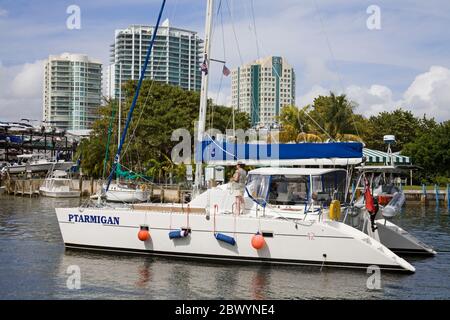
(122, 192)
(289, 216)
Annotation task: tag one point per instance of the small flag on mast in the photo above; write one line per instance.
(204, 66)
(226, 72)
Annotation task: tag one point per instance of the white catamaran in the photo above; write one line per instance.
(289, 216)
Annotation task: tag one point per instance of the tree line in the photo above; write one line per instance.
(333, 118)
(162, 108)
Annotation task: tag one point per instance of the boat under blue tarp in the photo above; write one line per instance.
(11, 138)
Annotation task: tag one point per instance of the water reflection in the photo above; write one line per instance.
(34, 266)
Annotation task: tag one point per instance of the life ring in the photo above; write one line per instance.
(335, 210)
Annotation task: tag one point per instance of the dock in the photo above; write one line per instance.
(158, 193)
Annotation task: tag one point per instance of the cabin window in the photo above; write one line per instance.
(328, 187)
(288, 190)
(257, 188)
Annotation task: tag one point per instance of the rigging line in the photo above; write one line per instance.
(214, 142)
(237, 44)
(333, 58)
(211, 117)
(224, 59)
(254, 29)
(300, 123)
(159, 62)
(317, 124)
(234, 32)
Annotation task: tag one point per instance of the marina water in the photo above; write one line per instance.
(35, 265)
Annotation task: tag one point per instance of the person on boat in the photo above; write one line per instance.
(239, 178)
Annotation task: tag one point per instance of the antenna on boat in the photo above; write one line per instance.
(203, 98)
(136, 95)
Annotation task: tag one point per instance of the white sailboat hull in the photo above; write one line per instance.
(322, 243)
(128, 196)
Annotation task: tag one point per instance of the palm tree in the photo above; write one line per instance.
(329, 118)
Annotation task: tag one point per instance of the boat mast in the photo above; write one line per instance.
(120, 115)
(120, 106)
(203, 98)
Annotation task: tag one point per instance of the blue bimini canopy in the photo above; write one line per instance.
(227, 153)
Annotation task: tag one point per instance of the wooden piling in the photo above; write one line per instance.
(436, 193)
(447, 197)
(423, 197)
(92, 186)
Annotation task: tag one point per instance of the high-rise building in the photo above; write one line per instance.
(262, 88)
(175, 58)
(72, 91)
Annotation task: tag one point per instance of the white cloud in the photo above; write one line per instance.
(428, 94)
(372, 100)
(3, 13)
(309, 97)
(21, 91)
(29, 81)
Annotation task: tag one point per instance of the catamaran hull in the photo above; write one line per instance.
(327, 243)
(400, 241)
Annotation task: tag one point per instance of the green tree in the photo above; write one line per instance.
(431, 151)
(329, 117)
(401, 123)
(335, 115)
(160, 110)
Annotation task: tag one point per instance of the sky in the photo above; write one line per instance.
(333, 45)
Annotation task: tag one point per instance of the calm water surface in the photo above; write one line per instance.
(33, 265)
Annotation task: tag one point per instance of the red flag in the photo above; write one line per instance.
(370, 206)
(226, 72)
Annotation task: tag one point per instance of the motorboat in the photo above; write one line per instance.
(31, 163)
(58, 184)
